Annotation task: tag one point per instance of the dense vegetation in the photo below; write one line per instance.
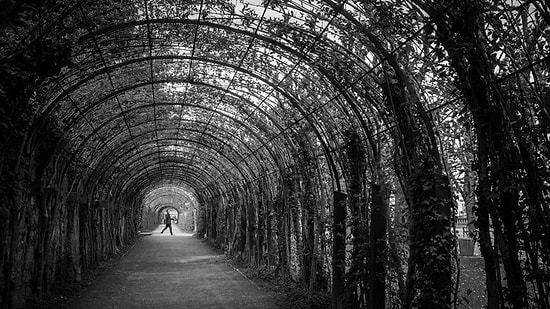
(329, 144)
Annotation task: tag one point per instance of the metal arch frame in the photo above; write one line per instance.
(138, 197)
(126, 68)
(161, 208)
(294, 102)
(175, 190)
(139, 59)
(154, 206)
(351, 53)
(238, 169)
(186, 166)
(163, 21)
(180, 21)
(85, 140)
(280, 90)
(151, 75)
(133, 86)
(356, 110)
(163, 202)
(167, 195)
(227, 115)
(217, 128)
(118, 137)
(319, 136)
(104, 63)
(90, 107)
(236, 68)
(163, 191)
(195, 174)
(98, 180)
(178, 189)
(189, 72)
(257, 137)
(146, 186)
(149, 179)
(282, 43)
(50, 107)
(305, 115)
(345, 52)
(145, 106)
(123, 142)
(101, 163)
(161, 198)
(207, 24)
(392, 61)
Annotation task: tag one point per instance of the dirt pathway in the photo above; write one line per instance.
(164, 271)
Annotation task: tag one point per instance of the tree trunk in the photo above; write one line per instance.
(378, 239)
(283, 238)
(429, 283)
(338, 250)
(358, 275)
(485, 244)
(497, 154)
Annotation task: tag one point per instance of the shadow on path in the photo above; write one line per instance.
(165, 271)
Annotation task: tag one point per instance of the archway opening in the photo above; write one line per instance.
(180, 202)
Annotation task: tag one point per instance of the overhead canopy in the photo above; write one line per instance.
(180, 198)
(207, 94)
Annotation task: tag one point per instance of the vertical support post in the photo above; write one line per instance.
(338, 250)
(377, 261)
(201, 220)
(443, 228)
(195, 221)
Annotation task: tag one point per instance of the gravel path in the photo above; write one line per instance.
(165, 271)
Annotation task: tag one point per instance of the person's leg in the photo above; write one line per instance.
(170, 226)
(165, 229)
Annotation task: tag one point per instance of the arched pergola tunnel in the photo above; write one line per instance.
(305, 137)
(180, 202)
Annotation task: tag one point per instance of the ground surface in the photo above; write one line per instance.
(180, 271)
(472, 291)
(164, 271)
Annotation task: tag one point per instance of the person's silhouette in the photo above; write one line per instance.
(168, 222)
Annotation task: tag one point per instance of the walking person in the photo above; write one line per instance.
(168, 222)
